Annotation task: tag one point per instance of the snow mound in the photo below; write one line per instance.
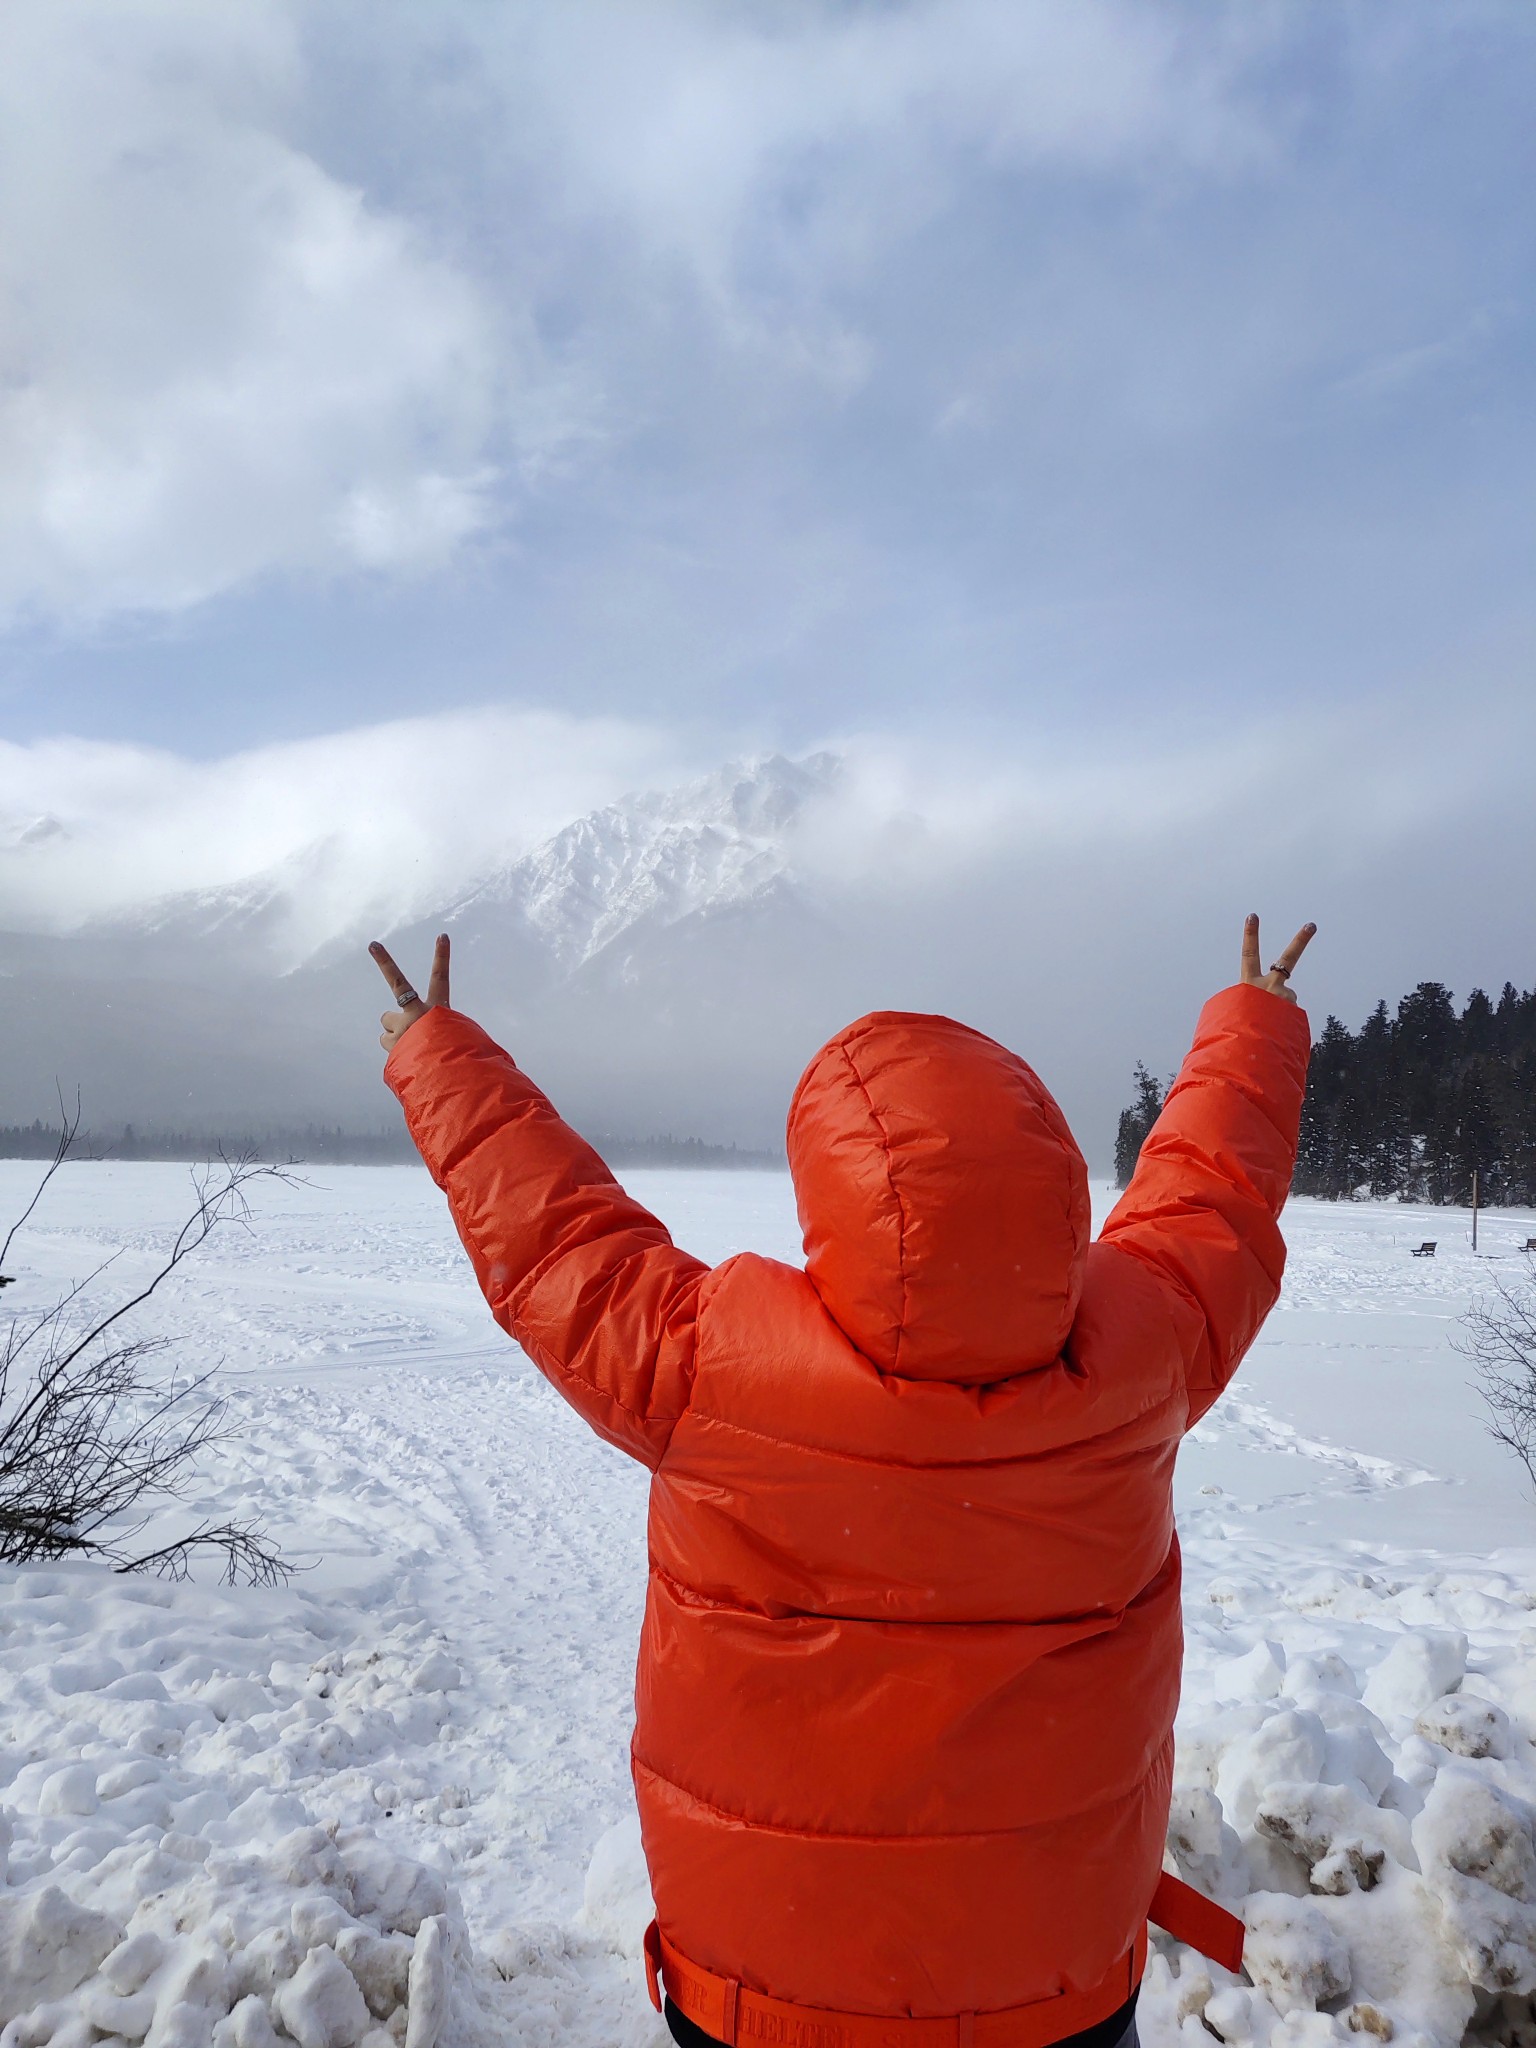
(616, 1905)
(180, 1866)
(1377, 1835)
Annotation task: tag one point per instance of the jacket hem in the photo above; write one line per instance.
(735, 2013)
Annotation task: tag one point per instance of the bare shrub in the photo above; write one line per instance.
(1498, 1334)
(89, 1432)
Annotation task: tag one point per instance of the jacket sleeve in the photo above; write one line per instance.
(588, 1282)
(1202, 1210)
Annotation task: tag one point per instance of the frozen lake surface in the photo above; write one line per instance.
(445, 1692)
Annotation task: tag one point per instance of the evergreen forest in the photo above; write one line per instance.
(1410, 1105)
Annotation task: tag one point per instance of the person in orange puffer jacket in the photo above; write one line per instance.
(911, 1653)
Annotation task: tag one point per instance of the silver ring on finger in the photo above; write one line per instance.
(1283, 972)
(406, 995)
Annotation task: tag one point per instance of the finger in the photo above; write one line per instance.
(437, 986)
(404, 993)
(384, 960)
(393, 1020)
(1296, 948)
(1252, 966)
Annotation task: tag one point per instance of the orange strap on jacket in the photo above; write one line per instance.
(729, 2011)
(1189, 1916)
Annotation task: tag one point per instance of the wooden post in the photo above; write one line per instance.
(1474, 1208)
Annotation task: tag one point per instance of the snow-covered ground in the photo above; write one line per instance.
(397, 1792)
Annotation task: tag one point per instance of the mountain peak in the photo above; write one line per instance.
(35, 831)
(657, 857)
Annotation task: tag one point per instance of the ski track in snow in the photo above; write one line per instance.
(1340, 1502)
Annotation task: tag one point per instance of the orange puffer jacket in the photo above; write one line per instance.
(911, 1649)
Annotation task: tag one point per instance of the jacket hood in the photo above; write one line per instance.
(943, 1200)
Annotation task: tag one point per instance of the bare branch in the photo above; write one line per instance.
(249, 1559)
(1498, 1336)
(69, 1130)
(227, 1201)
(94, 1434)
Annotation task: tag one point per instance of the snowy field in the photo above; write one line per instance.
(390, 1804)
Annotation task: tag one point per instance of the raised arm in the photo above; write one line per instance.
(588, 1282)
(1202, 1210)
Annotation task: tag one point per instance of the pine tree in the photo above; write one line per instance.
(1477, 1135)
(1324, 1165)
(1413, 1103)
(1135, 1123)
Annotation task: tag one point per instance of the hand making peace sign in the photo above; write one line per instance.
(412, 1009)
(1276, 978)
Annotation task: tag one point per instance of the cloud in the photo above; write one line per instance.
(222, 358)
(695, 119)
(380, 824)
(754, 169)
(364, 829)
(990, 349)
(788, 341)
(1077, 898)
(218, 360)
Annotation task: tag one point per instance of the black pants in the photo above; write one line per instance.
(1118, 2031)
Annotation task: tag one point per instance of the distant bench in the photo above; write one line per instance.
(1529, 1245)
(1426, 1250)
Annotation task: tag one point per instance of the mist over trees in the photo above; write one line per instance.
(1410, 1105)
(334, 1145)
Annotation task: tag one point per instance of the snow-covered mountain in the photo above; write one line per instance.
(654, 859)
(640, 947)
(269, 922)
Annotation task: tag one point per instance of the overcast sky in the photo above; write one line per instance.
(1122, 409)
